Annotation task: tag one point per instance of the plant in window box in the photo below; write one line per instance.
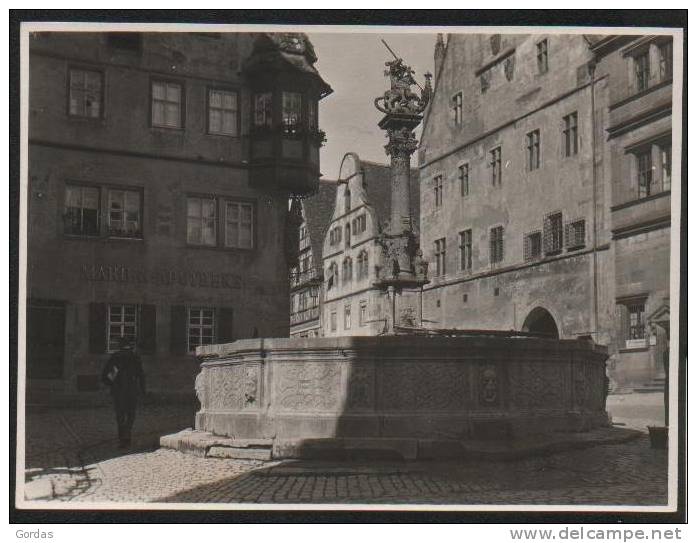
(318, 137)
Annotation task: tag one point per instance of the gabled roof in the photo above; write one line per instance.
(317, 210)
(378, 185)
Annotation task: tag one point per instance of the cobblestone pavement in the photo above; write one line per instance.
(72, 455)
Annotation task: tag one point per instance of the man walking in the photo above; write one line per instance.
(123, 374)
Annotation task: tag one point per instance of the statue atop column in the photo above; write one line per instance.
(403, 267)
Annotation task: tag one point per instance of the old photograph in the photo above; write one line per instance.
(348, 267)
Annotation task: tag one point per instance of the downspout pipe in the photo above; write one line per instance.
(595, 311)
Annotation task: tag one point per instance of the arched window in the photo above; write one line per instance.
(347, 200)
(362, 265)
(332, 278)
(347, 237)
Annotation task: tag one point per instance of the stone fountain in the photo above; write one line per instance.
(411, 393)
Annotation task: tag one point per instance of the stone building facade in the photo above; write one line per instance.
(523, 188)
(160, 168)
(351, 255)
(306, 292)
(639, 136)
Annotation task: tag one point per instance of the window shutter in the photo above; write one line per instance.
(178, 330)
(147, 329)
(224, 332)
(97, 328)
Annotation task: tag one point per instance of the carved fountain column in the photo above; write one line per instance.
(403, 271)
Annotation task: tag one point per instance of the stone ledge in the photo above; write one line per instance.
(205, 444)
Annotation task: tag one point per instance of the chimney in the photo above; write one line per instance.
(438, 56)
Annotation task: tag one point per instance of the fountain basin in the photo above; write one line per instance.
(414, 396)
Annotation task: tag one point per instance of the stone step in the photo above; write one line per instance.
(209, 445)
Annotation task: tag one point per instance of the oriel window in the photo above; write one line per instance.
(81, 210)
(166, 104)
(644, 169)
(642, 71)
(239, 225)
(201, 329)
(123, 323)
(542, 57)
(263, 110)
(495, 164)
(85, 93)
(570, 134)
(222, 112)
(292, 113)
(533, 149)
(201, 221)
(124, 213)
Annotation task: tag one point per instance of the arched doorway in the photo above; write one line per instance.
(540, 321)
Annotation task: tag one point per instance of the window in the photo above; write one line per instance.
(166, 104)
(642, 71)
(637, 328)
(335, 235)
(263, 110)
(496, 245)
(81, 210)
(532, 246)
(239, 225)
(332, 276)
(464, 176)
(553, 233)
(201, 329)
(347, 317)
(292, 113)
(85, 93)
(347, 270)
(312, 115)
(495, 164)
(124, 213)
(666, 152)
(222, 112)
(457, 108)
(570, 133)
(362, 271)
(533, 147)
(363, 313)
(332, 321)
(359, 224)
(438, 190)
(576, 234)
(485, 81)
(644, 170)
(347, 237)
(466, 250)
(122, 324)
(347, 200)
(665, 60)
(542, 57)
(440, 256)
(201, 221)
